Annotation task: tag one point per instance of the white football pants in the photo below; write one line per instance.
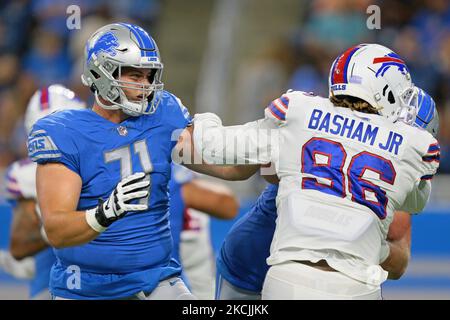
(297, 281)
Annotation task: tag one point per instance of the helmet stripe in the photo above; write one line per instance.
(44, 101)
(145, 38)
(341, 66)
(426, 107)
(145, 41)
(141, 45)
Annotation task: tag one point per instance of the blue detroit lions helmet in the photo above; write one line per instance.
(422, 113)
(122, 45)
(427, 116)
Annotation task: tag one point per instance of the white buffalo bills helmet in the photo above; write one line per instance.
(113, 47)
(375, 74)
(48, 100)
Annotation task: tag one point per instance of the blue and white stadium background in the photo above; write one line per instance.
(233, 57)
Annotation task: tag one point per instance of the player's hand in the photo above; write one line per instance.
(408, 114)
(207, 119)
(119, 202)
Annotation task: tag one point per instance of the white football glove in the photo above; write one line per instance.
(119, 202)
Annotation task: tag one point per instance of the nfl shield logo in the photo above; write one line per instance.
(122, 131)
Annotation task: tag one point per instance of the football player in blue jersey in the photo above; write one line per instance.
(27, 238)
(102, 175)
(241, 262)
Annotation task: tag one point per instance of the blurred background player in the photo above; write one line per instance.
(27, 236)
(192, 201)
(241, 262)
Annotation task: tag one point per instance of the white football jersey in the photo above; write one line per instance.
(342, 175)
(21, 180)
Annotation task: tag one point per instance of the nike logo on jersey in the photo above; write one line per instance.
(360, 131)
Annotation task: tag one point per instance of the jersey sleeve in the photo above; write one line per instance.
(251, 143)
(178, 115)
(418, 197)
(430, 160)
(276, 111)
(255, 142)
(21, 181)
(49, 141)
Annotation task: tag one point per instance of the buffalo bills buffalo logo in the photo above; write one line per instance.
(391, 60)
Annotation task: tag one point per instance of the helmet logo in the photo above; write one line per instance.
(106, 43)
(388, 61)
(122, 131)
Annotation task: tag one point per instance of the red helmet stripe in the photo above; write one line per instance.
(44, 99)
(341, 65)
(388, 59)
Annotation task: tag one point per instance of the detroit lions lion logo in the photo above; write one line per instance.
(106, 43)
(391, 60)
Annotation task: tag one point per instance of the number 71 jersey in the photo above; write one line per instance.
(343, 174)
(102, 153)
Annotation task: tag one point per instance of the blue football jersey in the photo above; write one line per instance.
(242, 257)
(134, 253)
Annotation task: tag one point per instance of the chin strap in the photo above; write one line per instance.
(116, 106)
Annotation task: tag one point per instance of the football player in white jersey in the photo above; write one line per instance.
(27, 235)
(242, 268)
(345, 165)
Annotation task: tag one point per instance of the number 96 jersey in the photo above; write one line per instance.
(343, 174)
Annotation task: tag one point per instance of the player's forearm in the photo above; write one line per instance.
(185, 153)
(227, 207)
(232, 173)
(66, 229)
(26, 239)
(221, 206)
(250, 143)
(398, 259)
(26, 244)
